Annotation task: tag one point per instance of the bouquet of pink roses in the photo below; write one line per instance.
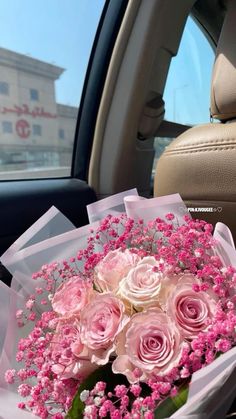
(139, 303)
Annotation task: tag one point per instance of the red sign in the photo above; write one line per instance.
(23, 128)
(36, 112)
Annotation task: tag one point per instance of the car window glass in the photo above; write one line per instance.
(44, 52)
(187, 90)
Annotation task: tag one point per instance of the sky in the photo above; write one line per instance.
(62, 32)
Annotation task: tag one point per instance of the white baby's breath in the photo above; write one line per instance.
(84, 395)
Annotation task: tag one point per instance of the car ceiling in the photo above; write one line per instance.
(210, 14)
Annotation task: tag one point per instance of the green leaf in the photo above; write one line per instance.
(103, 373)
(172, 404)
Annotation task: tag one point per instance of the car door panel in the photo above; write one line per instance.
(23, 202)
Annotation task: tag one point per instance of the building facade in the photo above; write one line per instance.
(35, 131)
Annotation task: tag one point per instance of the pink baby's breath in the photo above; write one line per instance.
(10, 376)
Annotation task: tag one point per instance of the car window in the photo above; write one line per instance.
(187, 90)
(44, 52)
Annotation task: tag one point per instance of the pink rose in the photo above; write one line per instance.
(115, 265)
(150, 343)
(71, 297)
(141, 286)
(191, 310)
(101, 321)
(71, 357)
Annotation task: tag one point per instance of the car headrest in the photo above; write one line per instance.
(223, 89)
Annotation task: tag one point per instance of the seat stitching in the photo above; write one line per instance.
(199, 151)
(206, 142)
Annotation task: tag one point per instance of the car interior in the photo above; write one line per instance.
(122, 111)
(200, 163)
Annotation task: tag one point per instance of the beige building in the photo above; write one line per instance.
(35, 131)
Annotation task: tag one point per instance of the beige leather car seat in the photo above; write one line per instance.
(201, 163)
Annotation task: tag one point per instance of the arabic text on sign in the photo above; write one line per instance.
(36, 112)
